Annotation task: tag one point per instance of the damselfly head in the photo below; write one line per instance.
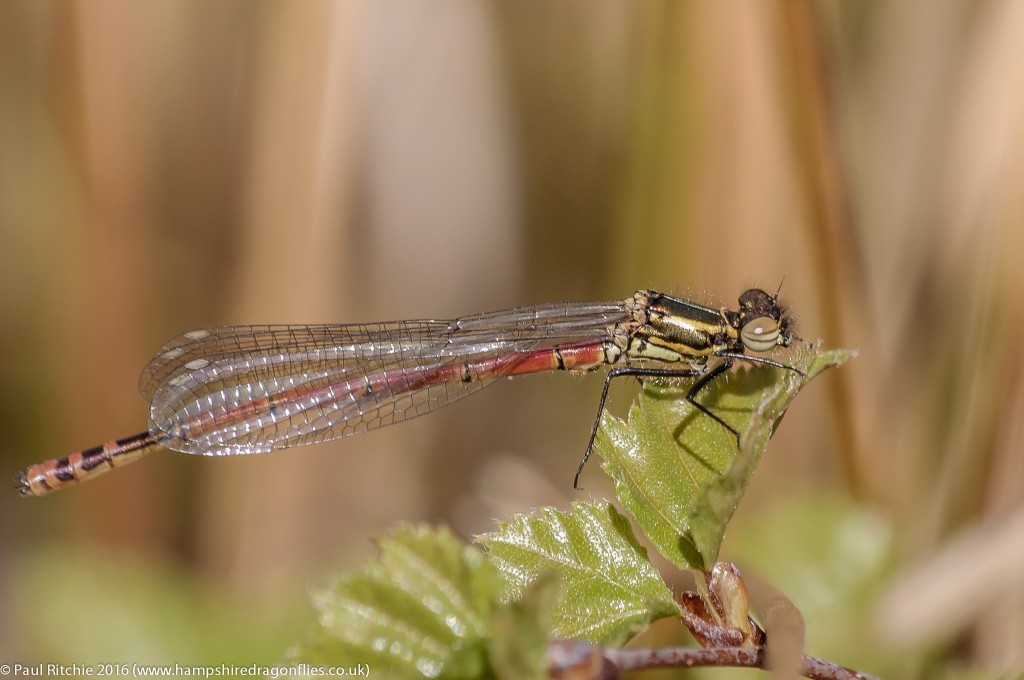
(762, 322)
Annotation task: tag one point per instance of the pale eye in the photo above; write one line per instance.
(760, 334)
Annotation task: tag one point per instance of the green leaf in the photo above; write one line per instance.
(424, 609)
(678, 473)
(611, 590)
(521, 630)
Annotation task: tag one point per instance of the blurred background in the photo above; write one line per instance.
(170, 165)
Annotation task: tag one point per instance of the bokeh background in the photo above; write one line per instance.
(174, 164)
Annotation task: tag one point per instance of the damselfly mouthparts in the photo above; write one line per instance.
(252, 389)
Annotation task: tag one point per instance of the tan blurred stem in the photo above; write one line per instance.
(783, 626)
(939, 598)
(820, 167)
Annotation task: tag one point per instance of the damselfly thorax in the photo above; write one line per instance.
(252, 389)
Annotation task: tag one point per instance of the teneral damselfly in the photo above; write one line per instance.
(253, 389)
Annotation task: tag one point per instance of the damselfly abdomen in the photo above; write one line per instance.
(252, 389)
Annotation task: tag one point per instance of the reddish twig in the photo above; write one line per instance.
(579, 660)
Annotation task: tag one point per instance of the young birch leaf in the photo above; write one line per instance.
(611, 590)
(423, 609)
(719, 499)
(521, 628)
(678, 473)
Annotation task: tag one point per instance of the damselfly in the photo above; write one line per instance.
(253, 389)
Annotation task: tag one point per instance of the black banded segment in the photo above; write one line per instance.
(64, 471)
(93, 458)
(559, 358)
(57, 473)
(135, 441)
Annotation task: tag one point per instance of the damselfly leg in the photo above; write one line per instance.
(704, 378)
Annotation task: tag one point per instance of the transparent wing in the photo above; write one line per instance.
(252, 389)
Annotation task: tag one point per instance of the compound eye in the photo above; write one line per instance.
(760, 334)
